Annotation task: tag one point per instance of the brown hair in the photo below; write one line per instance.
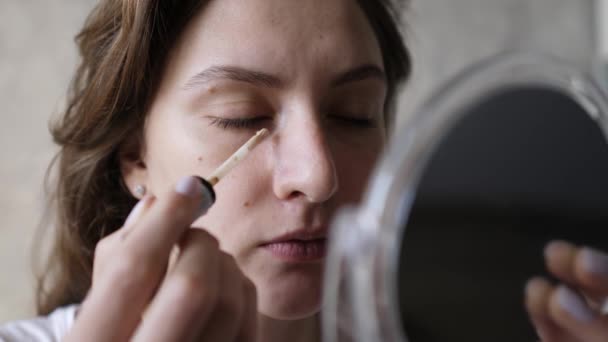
(123, 46)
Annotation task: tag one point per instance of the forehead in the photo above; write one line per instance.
(285, 36)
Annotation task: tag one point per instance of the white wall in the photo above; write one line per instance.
(447, 35)
(37, 57)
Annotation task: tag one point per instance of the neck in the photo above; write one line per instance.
(302, 330)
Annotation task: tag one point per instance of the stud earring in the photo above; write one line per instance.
(140, 190)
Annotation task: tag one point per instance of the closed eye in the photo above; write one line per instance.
(354, 121)
(238, 123)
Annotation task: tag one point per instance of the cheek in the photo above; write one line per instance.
(170, 152)
(241, 199)
(177, 147)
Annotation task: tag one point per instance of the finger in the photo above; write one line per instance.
(141, 259)
(538, 291)
(583, 268)
(123, 290)
(140, 208)
(559, 259)
(591, 272)
(570, 311)
(248, 329)
(228, 314)
(136, 213)
(188, 296)
(165, 223)
(96, 312)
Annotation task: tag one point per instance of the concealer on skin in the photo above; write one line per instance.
(226, 166)
(237, 156)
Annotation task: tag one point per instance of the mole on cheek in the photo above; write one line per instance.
(246, 204)
(200, 159)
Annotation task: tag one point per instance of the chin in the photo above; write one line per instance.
(291, 296)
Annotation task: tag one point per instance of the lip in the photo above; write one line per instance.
(300, 245)
(303, 234)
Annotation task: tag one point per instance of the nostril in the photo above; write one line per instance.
(295, 195)
(304, 165)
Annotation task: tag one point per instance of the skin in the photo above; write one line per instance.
(302, 172)
(321, 97)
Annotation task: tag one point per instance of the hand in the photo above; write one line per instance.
(204, 296)
(572, 311)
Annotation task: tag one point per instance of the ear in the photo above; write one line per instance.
(133, 169)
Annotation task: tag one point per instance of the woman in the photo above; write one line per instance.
(165, 92)
(170, 89)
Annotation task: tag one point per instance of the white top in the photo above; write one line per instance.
(51, 328)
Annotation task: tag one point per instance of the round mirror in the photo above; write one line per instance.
(504, 159)
(522, 167)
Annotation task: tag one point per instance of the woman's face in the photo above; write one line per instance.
(312, 73)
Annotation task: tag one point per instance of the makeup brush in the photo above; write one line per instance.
(237, 156)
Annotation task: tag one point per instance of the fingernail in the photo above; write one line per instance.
(604, 307)
(135, 212)
(189, 186)
(535, 285)
(594, 261)
(574, 305)
(555, 247)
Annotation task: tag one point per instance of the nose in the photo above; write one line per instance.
(304, 164)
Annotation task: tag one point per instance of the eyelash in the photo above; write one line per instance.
(245, 123)
(237, 123)
(356, 122)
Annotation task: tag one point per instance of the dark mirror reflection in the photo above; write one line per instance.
(523, 167)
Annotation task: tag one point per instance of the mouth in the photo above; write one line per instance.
(299, 246)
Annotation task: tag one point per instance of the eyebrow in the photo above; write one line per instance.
(363, 72)
(239, 74)
(236, 74)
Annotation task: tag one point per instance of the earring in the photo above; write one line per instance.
(140, 190)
